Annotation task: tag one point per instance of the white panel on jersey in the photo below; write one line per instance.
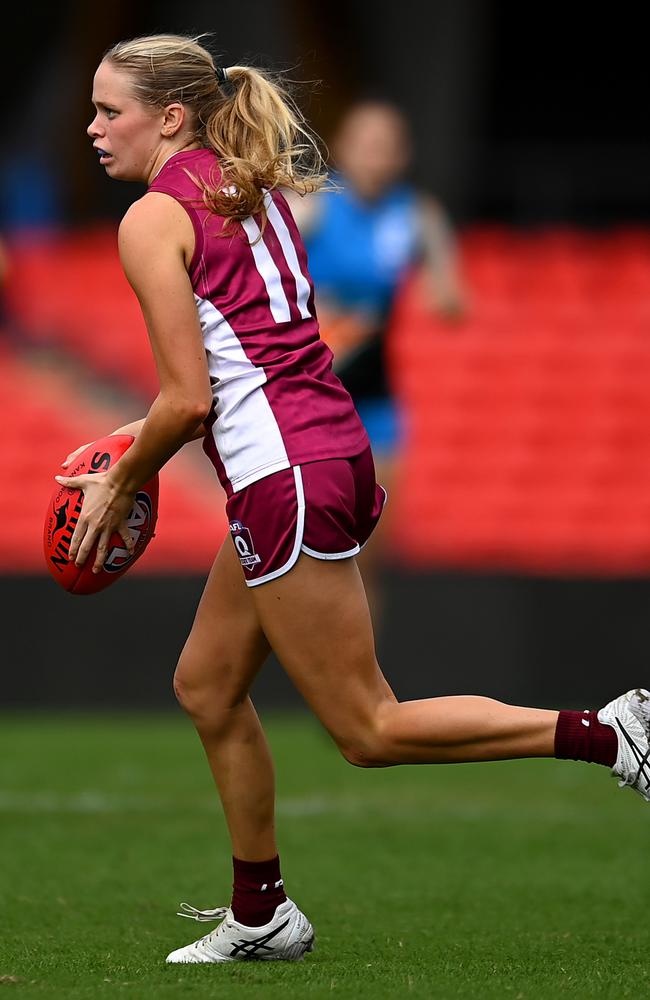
(270, 275)
(303, 291)
(246, 433)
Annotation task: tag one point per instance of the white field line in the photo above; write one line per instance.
(94, 802)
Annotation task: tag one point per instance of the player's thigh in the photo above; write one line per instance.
(317, 621)
(226, 646)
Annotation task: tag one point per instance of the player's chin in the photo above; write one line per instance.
(118, 172)
(113, 169)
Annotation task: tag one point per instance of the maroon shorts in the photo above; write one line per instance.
(327, 509)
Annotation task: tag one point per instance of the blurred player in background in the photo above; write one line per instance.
(220, 271)
(362, 240)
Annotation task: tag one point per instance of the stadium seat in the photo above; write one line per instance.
(84, 305)
(44, 418)
(529, 422)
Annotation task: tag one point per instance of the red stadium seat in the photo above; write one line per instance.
(84, 305)
(529, 443)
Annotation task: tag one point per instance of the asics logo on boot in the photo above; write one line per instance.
(249, 949)
(641, 759)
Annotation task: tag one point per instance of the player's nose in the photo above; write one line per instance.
(93, 129)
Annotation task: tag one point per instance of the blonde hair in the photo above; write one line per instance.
(249, 120)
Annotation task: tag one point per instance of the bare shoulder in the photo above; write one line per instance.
(155, 223)
(154, 210)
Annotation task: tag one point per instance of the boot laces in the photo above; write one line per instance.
(203, 916)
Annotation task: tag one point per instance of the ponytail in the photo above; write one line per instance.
(262, 142)
(243, 114)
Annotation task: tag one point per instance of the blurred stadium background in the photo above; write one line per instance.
(520, 544)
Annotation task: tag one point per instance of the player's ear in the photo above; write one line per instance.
(173, 118)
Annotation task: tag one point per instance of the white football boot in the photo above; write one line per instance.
(629, 715)
(286, 937)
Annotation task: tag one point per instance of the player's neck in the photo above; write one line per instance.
(166, 154)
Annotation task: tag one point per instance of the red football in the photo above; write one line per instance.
(63, 513)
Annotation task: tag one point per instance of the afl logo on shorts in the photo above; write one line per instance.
(241, 536)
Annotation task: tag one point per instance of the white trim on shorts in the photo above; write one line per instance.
(300, 530)
(350, 552)
(298, 545)
(331, 555)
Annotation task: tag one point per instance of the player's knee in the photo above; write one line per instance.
(367, 750)
(358, 757)
(210, 689)
(188, 694)
(197, 692)
(370, 743)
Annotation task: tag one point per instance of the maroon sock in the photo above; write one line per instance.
(580, 736)
(257, 891)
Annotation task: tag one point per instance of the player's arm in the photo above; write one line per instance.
(156, 241)
(133, 429)
(443, 283)
(136, 426)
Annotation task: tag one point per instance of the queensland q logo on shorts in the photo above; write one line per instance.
(241, 536)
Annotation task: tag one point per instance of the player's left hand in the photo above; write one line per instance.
(105, 510)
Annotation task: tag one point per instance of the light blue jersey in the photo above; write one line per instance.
(358, 253)
(359, 250)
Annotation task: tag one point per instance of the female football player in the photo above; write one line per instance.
(220, 271)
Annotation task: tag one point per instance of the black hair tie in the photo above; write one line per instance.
(220, 74)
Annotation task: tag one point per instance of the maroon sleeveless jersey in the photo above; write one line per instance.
(276, 401)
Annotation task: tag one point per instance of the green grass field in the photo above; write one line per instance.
(517, 880)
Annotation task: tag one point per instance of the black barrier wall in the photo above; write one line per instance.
(537, 642)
